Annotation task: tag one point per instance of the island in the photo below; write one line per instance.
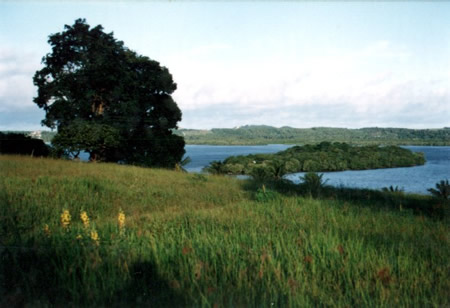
(325, 156)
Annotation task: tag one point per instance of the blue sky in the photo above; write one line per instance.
(300, 64)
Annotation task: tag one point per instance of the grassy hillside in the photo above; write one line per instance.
(165, 238)
(262, 134)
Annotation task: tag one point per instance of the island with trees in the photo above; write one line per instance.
(325, 156)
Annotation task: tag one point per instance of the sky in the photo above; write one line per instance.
(294, 63)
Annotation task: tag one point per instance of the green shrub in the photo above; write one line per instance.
(313, 183)
(215, 167)
(442, 190)
(261, 173)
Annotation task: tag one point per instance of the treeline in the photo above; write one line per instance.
(324, 156)
(288, 135)
(46, 136)
(262, 134)
(17, 143)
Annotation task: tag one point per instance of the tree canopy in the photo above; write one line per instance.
(107, 100)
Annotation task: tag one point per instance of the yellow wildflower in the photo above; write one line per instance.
(46, 230)
(79, 237)
(121, 219)
(65, 218)
(85, 219)
(95, 237)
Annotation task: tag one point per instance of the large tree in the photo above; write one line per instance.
(93, 86)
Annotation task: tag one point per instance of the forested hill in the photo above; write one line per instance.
(262, 134)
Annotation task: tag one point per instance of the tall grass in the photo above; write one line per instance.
(204, 241)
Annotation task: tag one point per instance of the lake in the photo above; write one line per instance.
(411, 179)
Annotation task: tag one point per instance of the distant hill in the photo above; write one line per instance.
(262, 134)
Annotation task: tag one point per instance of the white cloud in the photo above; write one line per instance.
(370, 86)
(17, 68)
(370, 82)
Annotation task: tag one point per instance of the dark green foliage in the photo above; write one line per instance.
(107, 100)
(261, 173)
(215, 167)
(442, 190)
(278, 168)
(393, 189)
(12, 143)
(313, 183)
(273, 170)
(96, 139)
(324, 156)
(254, 134)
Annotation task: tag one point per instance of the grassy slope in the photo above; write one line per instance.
(198, 240)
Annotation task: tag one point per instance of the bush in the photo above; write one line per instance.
(261, 173)
(442, 190)
(313, 183)
(215, 167)
(13, 143)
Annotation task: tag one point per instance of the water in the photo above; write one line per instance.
(411, 179)
(202, 155)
